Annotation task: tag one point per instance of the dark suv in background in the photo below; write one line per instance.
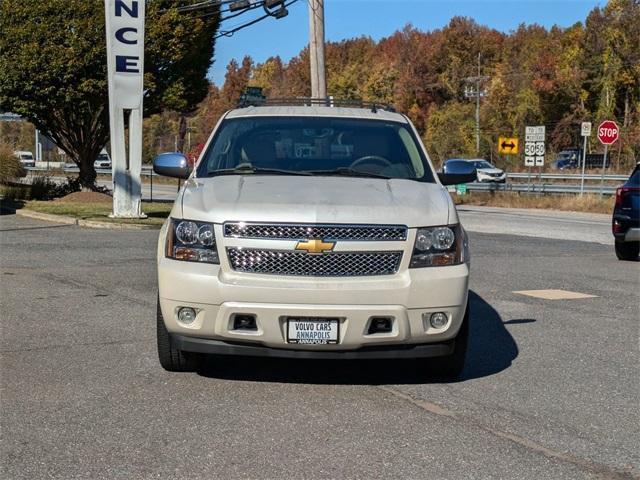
(626, 218)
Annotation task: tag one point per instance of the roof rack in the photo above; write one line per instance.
(310, 102)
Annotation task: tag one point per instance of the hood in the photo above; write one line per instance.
(489, 170)
(254, 198)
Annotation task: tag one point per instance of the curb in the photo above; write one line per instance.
(47, 217)
(66, 220)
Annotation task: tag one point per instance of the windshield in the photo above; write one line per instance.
(315, 146)
(564, 155)
(26, 156)
(482, 164)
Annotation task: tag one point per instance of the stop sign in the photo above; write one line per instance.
(608, 132)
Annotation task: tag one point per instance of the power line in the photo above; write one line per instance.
(231, 32)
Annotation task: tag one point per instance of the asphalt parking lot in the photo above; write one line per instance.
(550, 389)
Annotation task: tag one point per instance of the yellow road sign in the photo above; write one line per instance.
(508, 145)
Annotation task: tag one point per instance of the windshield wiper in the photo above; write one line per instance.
(348, 172)
(245, 168)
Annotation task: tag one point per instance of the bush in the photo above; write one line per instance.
(15, 192)
(43, 188)
(10, 166)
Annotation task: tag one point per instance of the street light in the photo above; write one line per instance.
(239, 5)
(269, 5)
(281, 13)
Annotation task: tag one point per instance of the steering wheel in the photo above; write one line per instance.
(371, 159)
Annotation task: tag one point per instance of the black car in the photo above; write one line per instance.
(565, 164)
(626, 218)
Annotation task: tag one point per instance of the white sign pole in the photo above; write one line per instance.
(586, 132)
(125, 64)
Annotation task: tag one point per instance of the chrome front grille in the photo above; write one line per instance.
(276, 231)
(334, 264)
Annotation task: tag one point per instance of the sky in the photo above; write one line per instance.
(379, 19)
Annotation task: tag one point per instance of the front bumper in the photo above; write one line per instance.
(489, 179)
(219, 295)
(219, 347)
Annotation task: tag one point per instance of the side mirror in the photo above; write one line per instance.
(458, 172)
(172, 165)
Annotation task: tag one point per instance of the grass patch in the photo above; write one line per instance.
(572, 203)
(156, 212)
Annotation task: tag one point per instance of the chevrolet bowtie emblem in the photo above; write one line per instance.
(315, 246)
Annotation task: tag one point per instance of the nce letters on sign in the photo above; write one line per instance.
(127, 36)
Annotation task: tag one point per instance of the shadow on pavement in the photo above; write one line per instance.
(9, 207)
(491, 350)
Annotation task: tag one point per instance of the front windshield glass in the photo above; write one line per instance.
(315, 146)
(482, 164)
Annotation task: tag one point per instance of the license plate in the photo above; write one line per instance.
(313, 331)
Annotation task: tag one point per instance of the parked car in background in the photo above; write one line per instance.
(103, 160)
(626, 218)
(564, 164)
(25, 157)
(571, 158)
(485, 171)
(567, 160)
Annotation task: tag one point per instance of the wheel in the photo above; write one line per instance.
(627, 250)
(451, 366)
(171, 359)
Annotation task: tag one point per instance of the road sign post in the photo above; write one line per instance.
(585, 131)
(534, 148)
(608, 134)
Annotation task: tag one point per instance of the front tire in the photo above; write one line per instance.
(627, 250)
(171, 358)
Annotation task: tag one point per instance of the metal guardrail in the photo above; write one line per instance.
(540, 188)
(147, 171)
(568, 176)
(522, 187)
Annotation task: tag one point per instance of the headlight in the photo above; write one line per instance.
(440, 246)
(192, 242)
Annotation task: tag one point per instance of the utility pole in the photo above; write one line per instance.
(478, 109)
(316, 49)
(477, 92)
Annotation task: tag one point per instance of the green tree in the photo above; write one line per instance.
(53, 67)
(450, 131)
(19, 135)
(557, 77)
(269, 76)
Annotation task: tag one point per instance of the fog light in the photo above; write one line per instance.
(438, 319)
(186, 315)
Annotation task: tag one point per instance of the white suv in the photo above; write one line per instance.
(313, 232)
